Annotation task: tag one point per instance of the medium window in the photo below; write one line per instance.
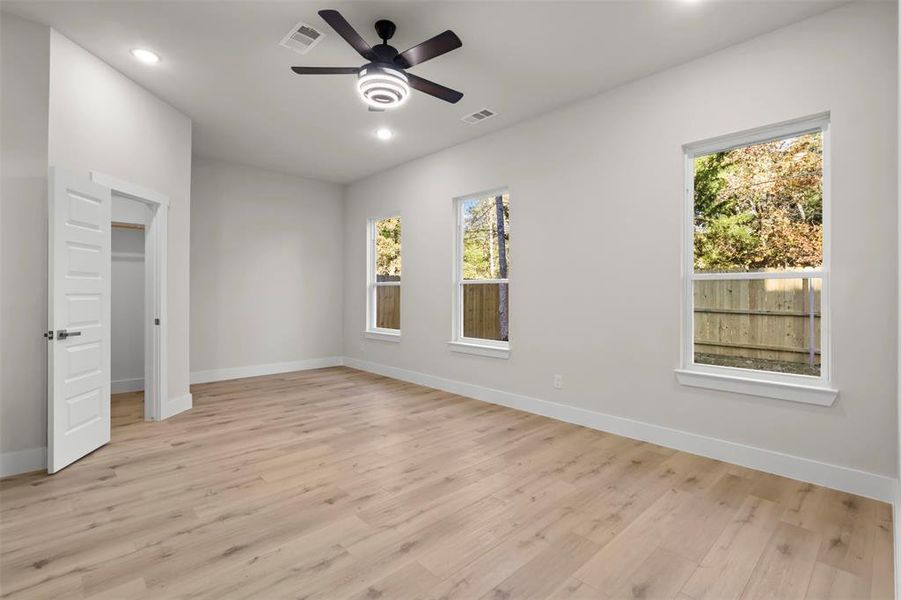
(757, 269)
(383, 306)
(482, 296)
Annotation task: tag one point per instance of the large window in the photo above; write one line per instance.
(384, 266)
(756, 289)
(482, 291)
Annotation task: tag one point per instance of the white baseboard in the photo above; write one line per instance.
(173, 406)
(23, 461)
(268, 369)
(120, 386)
(837, 477)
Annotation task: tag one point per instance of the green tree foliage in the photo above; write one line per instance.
(387, 249)
(760, 207)
(480, 238)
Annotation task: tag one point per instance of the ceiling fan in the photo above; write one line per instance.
(383, 82)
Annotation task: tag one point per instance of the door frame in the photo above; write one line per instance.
(155, 289)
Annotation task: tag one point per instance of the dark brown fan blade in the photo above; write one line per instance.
(433, 89)
(344, 29)
(429, 49)
(325, 70)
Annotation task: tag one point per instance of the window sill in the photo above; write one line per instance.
(480, 349)
(794, 392)
(384, 336)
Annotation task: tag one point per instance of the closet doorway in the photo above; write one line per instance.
(139, 224)
(127, 293)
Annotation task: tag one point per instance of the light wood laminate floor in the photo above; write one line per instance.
(336, 483)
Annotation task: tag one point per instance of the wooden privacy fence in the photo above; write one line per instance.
(770, 319)
(387, 307)
(481, 311)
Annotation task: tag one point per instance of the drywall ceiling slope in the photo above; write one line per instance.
(223, 67)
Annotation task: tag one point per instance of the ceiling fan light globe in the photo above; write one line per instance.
(382, 87)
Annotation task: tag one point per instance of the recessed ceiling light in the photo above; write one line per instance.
(383, 133)
(146, 56)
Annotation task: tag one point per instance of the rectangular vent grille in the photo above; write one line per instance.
(480, 115)
(302, 38)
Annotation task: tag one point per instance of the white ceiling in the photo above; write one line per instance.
(223, 67)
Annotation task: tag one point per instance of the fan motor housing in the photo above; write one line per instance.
(383, 53)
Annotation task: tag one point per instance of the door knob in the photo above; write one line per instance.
(63, 334)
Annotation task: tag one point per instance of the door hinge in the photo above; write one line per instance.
(156, 321)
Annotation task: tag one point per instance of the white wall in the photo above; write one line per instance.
(102, 121)
(127, 310)
(596, 213)
(266, 261)
(24, 83)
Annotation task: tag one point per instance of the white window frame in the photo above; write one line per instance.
(372, 284)
(786, 386)
(460, 343)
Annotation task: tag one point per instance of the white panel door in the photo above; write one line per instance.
(78, 412)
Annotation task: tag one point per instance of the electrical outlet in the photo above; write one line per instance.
(558, 382)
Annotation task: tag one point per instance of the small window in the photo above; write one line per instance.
(384, 260)
(757, 270)
(482, 295)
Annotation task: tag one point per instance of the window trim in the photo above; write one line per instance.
(785, 386)
(458, 342)
(372, 331)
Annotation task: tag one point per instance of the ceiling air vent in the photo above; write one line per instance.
(480, 115)
(302, 38)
